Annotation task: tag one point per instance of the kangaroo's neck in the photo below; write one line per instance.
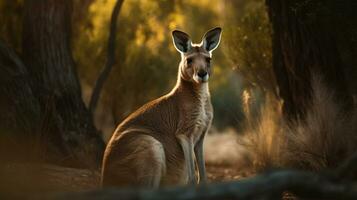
(191, 91)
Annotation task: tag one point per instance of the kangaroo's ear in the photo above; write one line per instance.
(211, 39)
(181, 41)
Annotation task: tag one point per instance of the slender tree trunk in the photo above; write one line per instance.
(103, 76)
(302, 45)
(67, 123)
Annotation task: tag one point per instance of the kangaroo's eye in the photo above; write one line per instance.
(189, 61)
(208, 60)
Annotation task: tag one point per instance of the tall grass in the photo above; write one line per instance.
(264, 137)
(322, 140)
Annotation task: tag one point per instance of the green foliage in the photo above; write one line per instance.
(146, 61)
(248, 46)
(227, 104)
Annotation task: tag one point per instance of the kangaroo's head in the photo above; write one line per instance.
(195, 63)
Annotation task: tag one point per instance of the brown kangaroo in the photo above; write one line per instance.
(158, 144)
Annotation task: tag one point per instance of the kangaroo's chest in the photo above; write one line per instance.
(201, 124)
(199, 119)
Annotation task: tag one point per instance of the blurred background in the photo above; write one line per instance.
(146, 61)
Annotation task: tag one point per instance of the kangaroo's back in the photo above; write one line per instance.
(148, 134)
(159, 116)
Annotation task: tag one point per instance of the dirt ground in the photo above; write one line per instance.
(39, 178)
(224, 163)
(221, 172)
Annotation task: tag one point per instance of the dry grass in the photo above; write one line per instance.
(264, 138)
(324, 139)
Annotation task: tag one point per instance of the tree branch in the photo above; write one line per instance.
(110, 58)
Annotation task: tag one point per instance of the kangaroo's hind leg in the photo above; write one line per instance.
(135, 160)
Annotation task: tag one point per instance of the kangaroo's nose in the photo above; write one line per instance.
(202, 73)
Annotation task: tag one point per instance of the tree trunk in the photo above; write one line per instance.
(67, 124)
(20, 110)
(302, 46)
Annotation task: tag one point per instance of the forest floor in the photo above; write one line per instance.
(224, 162)
(40, 178)
(222, 172)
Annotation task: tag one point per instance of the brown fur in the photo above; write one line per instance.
(146, 149)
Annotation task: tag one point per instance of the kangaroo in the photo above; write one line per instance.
(158, 144)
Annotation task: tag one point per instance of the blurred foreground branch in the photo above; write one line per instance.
(270, 185)
(110, 58)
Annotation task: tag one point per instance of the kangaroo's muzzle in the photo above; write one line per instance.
(201, 77)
